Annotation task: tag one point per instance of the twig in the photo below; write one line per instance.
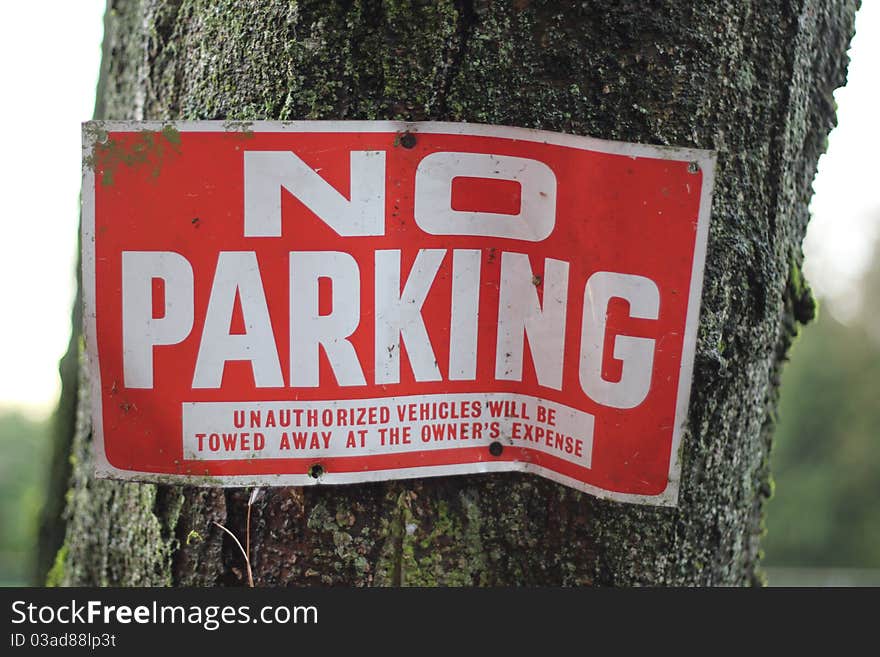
(256, 494)
(247, 560)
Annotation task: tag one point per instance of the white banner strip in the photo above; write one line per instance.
(389, 425)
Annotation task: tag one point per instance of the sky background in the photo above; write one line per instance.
(50, 54)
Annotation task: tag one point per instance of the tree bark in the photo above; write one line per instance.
(750, 78)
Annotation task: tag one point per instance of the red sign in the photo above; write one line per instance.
(338, 302)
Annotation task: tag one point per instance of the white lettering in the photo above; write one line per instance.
(267, 172)
(520, 312)
(310, 330)
(433, 200)
(237, 274)
(465, 315)
(400, 314)
(140, 330)
(637, 354)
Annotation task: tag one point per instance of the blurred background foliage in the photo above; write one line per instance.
(825, 512)
(24, 471)
(826, 457)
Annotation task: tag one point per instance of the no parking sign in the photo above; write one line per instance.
(339, 302)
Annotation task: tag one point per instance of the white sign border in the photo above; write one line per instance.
(705, 159)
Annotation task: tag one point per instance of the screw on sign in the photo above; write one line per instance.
(338, 302)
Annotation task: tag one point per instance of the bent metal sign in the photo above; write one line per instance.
(338, 302)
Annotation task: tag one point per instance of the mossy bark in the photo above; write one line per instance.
(749, 78)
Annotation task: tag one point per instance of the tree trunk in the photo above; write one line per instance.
(749, 78)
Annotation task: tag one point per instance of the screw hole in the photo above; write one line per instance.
(316, 471)
(693, 167)
(408, 140)
(496, 448)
